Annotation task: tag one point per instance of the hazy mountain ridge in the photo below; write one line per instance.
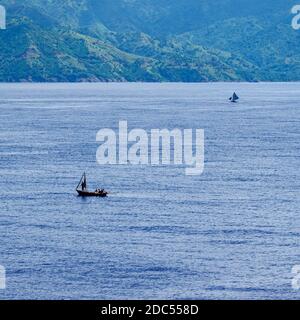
(144, 40)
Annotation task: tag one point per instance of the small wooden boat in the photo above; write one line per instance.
(234, 98)
(82, 189)
(102, 194)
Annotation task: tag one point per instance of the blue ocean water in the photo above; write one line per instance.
(231, 233)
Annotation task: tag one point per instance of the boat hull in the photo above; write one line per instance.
(92, 194)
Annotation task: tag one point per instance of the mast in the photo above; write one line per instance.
(82, 182)
(85, 181)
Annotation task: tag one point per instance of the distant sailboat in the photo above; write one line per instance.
(82, 189)
(234, 97)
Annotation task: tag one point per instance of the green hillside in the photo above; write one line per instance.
(148, 40)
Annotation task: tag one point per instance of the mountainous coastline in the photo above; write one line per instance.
(149, 40)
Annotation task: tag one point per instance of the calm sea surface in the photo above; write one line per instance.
(233, 232)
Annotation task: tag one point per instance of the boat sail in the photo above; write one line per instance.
(82, 189)
(234, 97)
(82, 183)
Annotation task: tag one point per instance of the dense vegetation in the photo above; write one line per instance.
(149, 40)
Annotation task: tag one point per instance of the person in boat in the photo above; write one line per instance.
(100, 191)
(83, 185)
